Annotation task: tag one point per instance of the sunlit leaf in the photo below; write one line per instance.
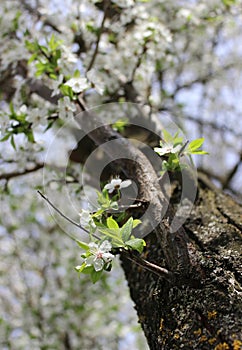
(127, 229)
(136, 244)
(111, 223)
(81, 268)
(195, 144)
(82, 245)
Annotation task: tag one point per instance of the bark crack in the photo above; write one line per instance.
(230, 220)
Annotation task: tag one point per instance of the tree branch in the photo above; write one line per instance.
(231, 174)
(13, 174)
(100, 31)
(42, 90)
(36, 13)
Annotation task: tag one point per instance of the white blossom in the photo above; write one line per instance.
(23, 109)
(78, 84)
(56, 84)
(100, 255)
(116, 184)
(37, 116)
(167, 148)
(66, 108)
(99, 85)
(86, 219)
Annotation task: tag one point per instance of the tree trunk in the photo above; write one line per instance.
(203, 311)
(197, 304)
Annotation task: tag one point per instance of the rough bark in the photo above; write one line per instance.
(199, 306)
(203, 311)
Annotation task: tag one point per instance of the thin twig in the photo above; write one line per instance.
(100, 31)
(61, 214)
(182, 148)
(124, 207)
(153, 268)
(138, 62)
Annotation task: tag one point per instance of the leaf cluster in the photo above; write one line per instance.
(108, 228)
(173, 148)
(18, 125)
(46, 57)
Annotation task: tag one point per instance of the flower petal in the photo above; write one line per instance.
(116, 182)
(98, 264)
(108, 186)
(176, 149)
(125, 183)
(93, 247)
(89, 261)
(107, 256)
(106, 246)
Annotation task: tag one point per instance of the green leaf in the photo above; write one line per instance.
(12, 142)
(113, 234)
(6, 137)
(121, 217)
(177, 140)
(30, 136)
(111, 223)
(96, 275)
(169, 139)
(81, 268)
(114, 205)
(52, 43)
(41, 69)
(167, 136)
(136, 244)
(30, 46)
(53, 76)
(199, 152)
(16, 20)
(105, 202)
(120, 124)
(136, 222)
(57, 55)
(127, 229)
(195, 144)
(11, 107)
(90, 27)
(77, 74)
(104, 194)
(66, 90)
(98, 214)
(44, 50)
(88, 270)
(32, 58)
(229, 2)
(82, 245)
